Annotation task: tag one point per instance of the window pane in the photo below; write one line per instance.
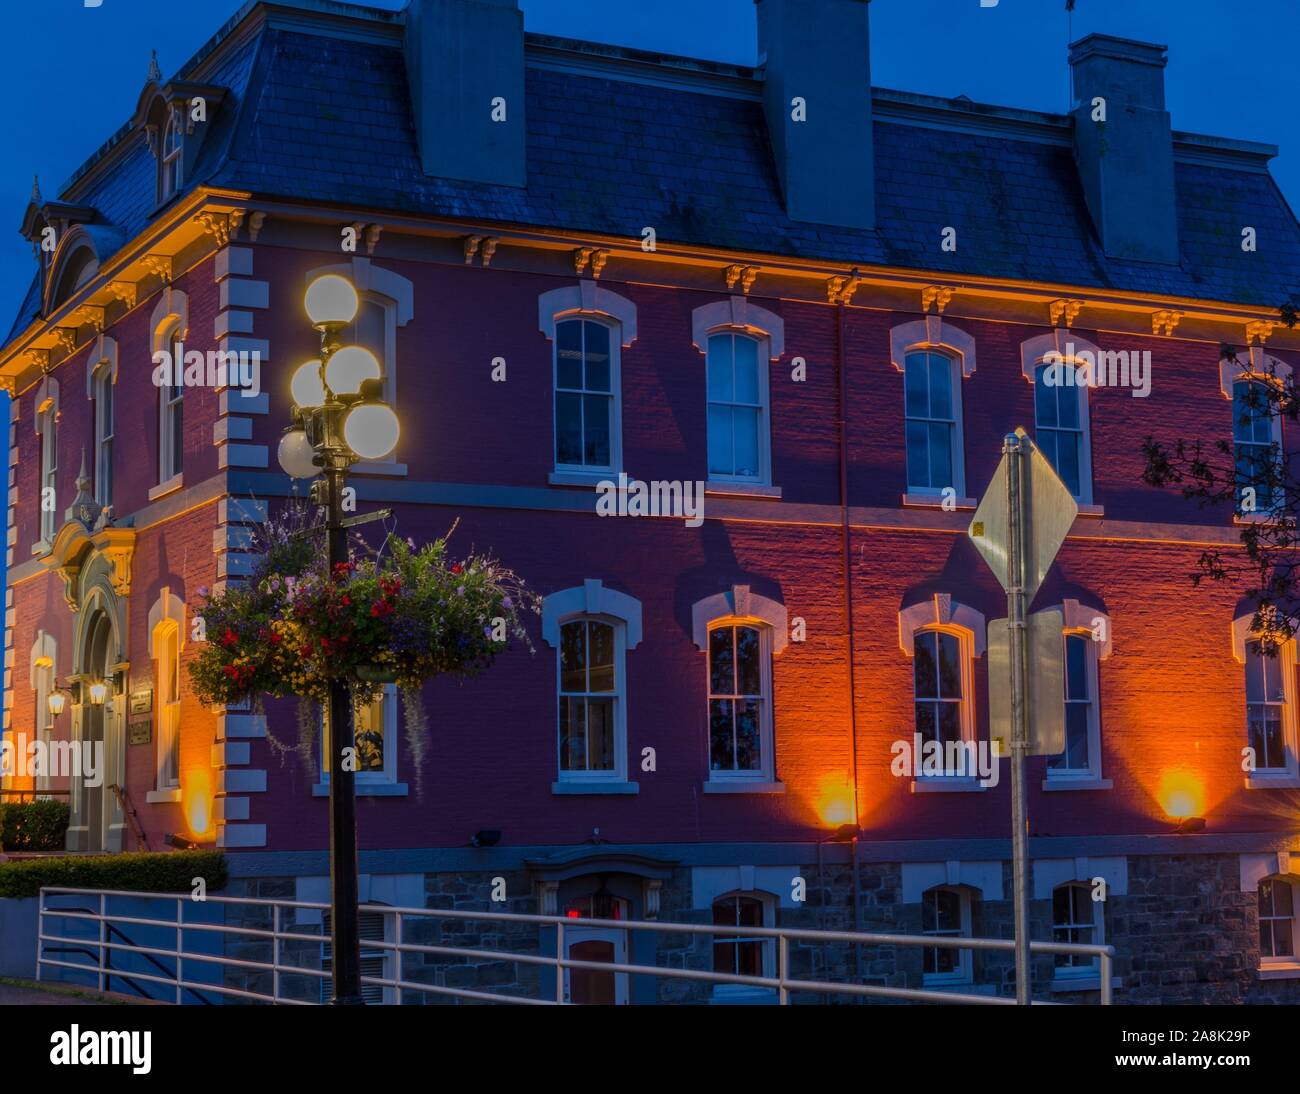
(925, 672)
(918, 454)
(1067, 452)
(949, 722)
(940, 387)
(596, 410)
(573, 734)
(940, 455)
(916, 387)
(178, 439)
(568, 429)
(748, 661)
(1044, 399)
(722, 677)
(721, 387)
(568, 354)
(597, 356)
(950, 666)
(746, 352)
(573, 657)
(746, 426)
(600, 657)
(721, 755)
(926, 723)
(1076, 736)
(1254, 676)
(948, 910)
(368, 729)
(600, 735)
(748, 753)
(721, 459)
(1076, 666)
(1067, 403)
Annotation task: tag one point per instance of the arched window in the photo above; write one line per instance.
(167, 654)
(102, 383)
(44, 679)
(591, 629)
(1257, 446)
(171, 434)
(47, 417)
(740, 954)
(171, 160)
(932, 395)
(738, 431)
(1087, 642)
(1061, 423)
(1273, 759)
(740, 700)
(586, 397)
(374, 733)
(1076, 919)
(1277, 921)
(946, 913)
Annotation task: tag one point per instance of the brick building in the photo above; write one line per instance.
(825, 303)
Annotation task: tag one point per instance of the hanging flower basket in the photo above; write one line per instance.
(402, 615)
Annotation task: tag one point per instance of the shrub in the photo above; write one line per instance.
(139, 872)
(33, 826)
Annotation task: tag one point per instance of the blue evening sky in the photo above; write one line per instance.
(70, 75)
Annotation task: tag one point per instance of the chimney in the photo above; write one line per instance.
(1126, 161)
(816, 62)
(465, 66)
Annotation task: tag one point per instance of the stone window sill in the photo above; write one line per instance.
(743, 786)
(594, 786)
(935, 501)
(1282, 970)
(156, 797)
(1085, 782)
(742, 490)
(946, 784)
(172, 484)
(364, 789)
(1258, 781)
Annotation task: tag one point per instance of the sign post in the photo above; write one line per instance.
(1019, 527)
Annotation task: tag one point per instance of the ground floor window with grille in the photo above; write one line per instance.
(370, 927)
(1276, 921)
(740, 954)
(945, 912)
(1076, 918)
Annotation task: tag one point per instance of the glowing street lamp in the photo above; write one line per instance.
(338, 418)
(98, 692)
(55, 702)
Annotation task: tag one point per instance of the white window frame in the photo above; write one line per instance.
(1093, 770)
(765, 773)
(173, 339)
(167, 658)
(368, 780)
(958, 484)
(104, 433)
(1098, 927)
(48, 418)
(1283, 961)
(618, 774)
(964, 972)
(44, 680)
(966, 705)
(1275, 442)
(762, 352)
(767, 946)
(1287, 777)
(615, 464)
(171, 155)
(1055, 348)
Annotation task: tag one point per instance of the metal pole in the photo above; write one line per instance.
(346, 943)
(1014, 451)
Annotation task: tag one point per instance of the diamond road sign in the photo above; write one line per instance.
(1049, 515)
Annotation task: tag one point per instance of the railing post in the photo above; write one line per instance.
(397, 957)
(559, 969)
(180, 946)
(275, 953)
(103, 937)
(783, 968)
(40, 929)
(1104, 968)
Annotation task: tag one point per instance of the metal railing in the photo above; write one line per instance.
(783, 983)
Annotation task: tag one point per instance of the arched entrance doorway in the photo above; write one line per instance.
(97, 732)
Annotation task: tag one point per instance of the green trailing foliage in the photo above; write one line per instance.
(139, 872)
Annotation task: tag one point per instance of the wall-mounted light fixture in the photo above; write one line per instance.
(55, 701)
(1190, 824)
(98, 692)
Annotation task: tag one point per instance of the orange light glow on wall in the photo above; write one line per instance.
(196, 803)
(1181, 795)
(835, 803)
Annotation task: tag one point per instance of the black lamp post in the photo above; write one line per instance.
(338, 418)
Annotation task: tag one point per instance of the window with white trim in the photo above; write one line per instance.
(170, 410)
(586, 396)
(43, 685)
(374, 731)
(1081, 756)
(941, 686)
(1257, 446)
(48, 417)
(1060, 423)
(103, 388)
(1270, 719)
(738, 430)
(741, 954)
(592, 708)
(946, 913)
(740, 707)
(171, 159)
(1277, 922)
(1076, 919)
(167, 653)
(932, 393)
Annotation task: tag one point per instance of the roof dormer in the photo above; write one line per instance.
(175, 118)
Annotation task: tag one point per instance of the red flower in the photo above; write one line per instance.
(229, 638)
(274, 637)
(455, 567)
(347, 600)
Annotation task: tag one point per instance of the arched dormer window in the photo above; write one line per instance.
(934, 357)
(739, 340)
(175, 118)
(171, 164)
